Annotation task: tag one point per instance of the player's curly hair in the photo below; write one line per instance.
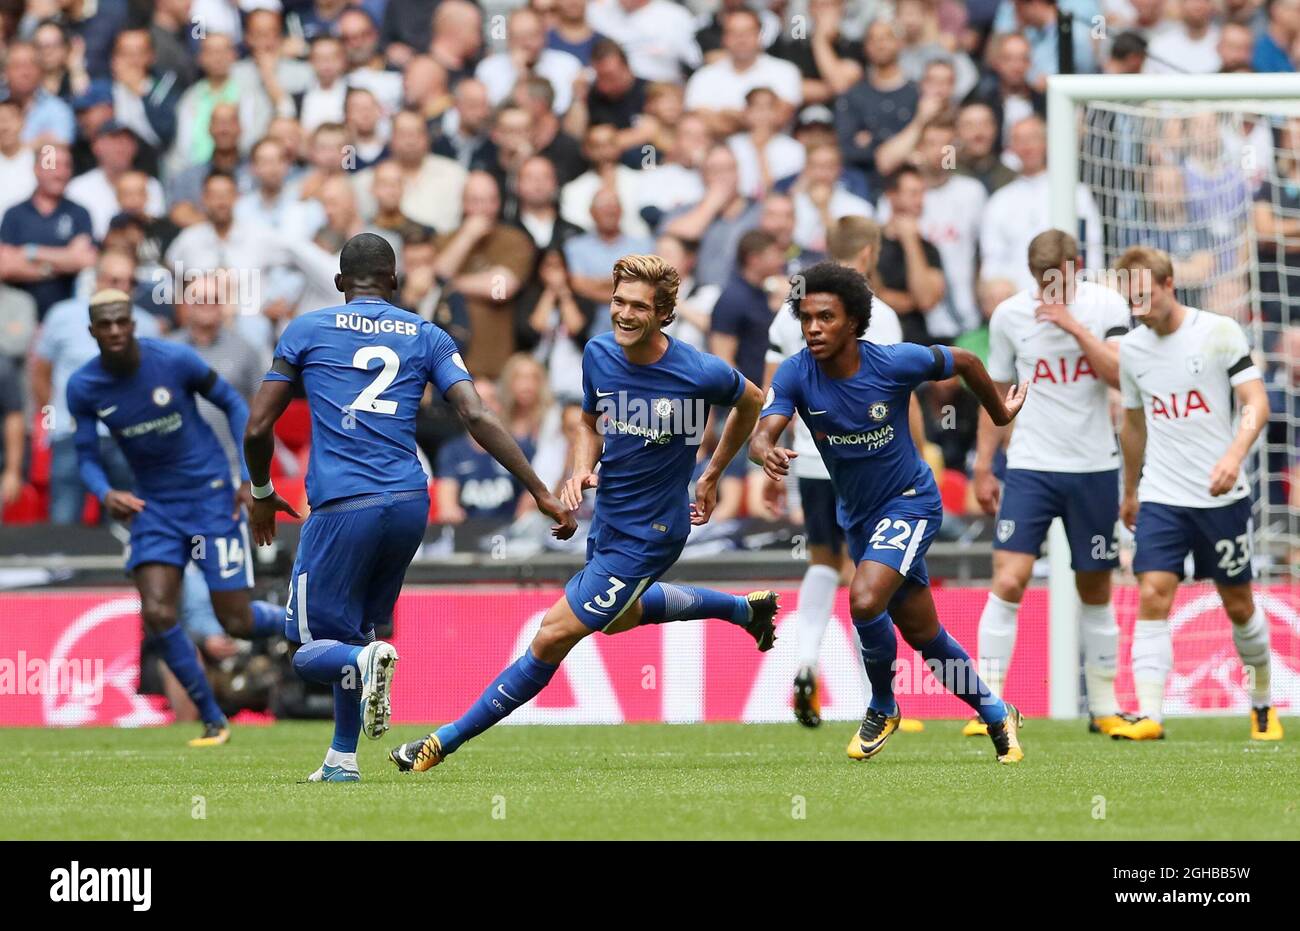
(655, 272)
(829, 278)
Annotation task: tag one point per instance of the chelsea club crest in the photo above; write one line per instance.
(161, 396)
(878, 411)
(663, 408)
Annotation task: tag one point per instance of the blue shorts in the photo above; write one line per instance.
(898, 536)
(352, 558)
(201, 530)
(619, 569)
(819, 518)
(1087, 503)
(1219, 540)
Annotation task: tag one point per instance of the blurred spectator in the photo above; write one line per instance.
(425, 89)
(486, 262)
(271, 205)
(693, 318)
(63, 346)
(526, 53)
(1004, 88)
(406, 30)
(1236, 49)
(17, 323)
(150, 235)
(115, 147)
(879, 106)
(1191, 46)
(46, 240)
(1018, 212)
(1275, 45)
(1277, 225)
(268, 70)
(709, 35)
(977, 153)
(466, 127)
(457, 38)
(743, 312)
(387, 193)
(1128, 54)
(366, 67)
(17, 160)
(145, 94)
(1036, 21)
(320, 17)
(718, 221)
(718, 90)
(169, 30)
(658, 35)
(778, 221)
(367, 128)
(600, 146)
(431, 184)
(669, 185)
(13, 433)
(570, 31)
(537, 206)
(923, 43)
(536, 96)
(1284, 415)
(186, 188)
(591, 256)
(764, 154)
(321, 101)
(196, 141)
(46, 118)
(471, 483)
(821, 197)
(63, 74)
(910, 269)
(615, 97)
(828, 61)
(559, 320)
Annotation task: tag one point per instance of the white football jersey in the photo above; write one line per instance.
(1065, 425)
(785, 338)
(1184, 383)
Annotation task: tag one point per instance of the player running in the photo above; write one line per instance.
(184, 507)
(853, 395)
(853, 241)
(363, 366)
(1062, 462)
(1180, 373)
(640, 390)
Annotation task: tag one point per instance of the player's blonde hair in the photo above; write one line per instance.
(848, 236)
(1147, 258)
(654, 271)
(1049, 250)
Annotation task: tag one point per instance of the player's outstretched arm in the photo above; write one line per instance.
(764, 451)
(588, 444)
(491, 434)
(259, 446)
(971, 369)
(737, 428)
(1133, 446)
(121, 504)
(223, 394)
(989, 438)
(1252, 401)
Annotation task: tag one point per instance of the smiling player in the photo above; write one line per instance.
(639, 388)
(854, 397)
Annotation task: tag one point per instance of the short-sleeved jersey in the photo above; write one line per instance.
(1184, 384)
(652, 418)
(363, 366)
(785, 338)
(152, 415)
(1066, 426)
(860, 423)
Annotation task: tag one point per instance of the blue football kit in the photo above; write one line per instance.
(363, 366)
(181, 471)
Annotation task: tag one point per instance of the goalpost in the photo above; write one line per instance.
(1184, 162)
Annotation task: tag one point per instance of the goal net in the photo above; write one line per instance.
(1207, 170)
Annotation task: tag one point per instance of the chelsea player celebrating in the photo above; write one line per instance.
(645, 398)
(183, 507)
(364, 366)
(853, 395)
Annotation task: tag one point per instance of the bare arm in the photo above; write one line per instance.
(259, 446)
(11, 481)
(971, 370)
(1133, 446)
(692, 224)
(925, 283)
(42, 381)
(838, 74)
(1252, 401)
(1102, 354)
(723, 345)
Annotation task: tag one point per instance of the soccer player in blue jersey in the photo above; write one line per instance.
(184, 506)
(853, 395)
(646, 398)
(363, 366)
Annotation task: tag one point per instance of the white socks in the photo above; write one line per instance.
(816, 598)
(1153, 659)
(1251, 640)
(1100, 637)
(346, 760)
(996, 641)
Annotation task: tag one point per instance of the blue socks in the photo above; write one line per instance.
(182, 658)
(268, 619)
(879, 651)
(952, 666)
(347, 718)
(327, 661)
(517, 684)
(664, 602)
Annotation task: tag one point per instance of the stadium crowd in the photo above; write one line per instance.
(210, 157)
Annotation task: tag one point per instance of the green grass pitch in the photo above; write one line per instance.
(1206, 781)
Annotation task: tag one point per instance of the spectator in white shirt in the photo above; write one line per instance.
(600, 146)
(820, 197)
(675, 182)
(526, 51)
(658, 35)
(17, 161)
(115, 149)
(1190, 47)
(322, 102)
(272, 205)
(432, 184)
(366, 65)
(718, 90)
(764, 154)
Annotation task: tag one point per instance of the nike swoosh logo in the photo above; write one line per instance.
(106, 411)
(588, 606)
(502, 690)
(234, 571)
(815, 413)
(603, 394)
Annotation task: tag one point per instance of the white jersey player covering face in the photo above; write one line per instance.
(855, 242)
(1181, 373)
(1062, 461)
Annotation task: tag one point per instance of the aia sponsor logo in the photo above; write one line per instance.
(1178, 406)
(1062, 370)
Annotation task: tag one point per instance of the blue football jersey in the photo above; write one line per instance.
(652, 418)
(860, 423)
(364, 366)
(152, 415)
